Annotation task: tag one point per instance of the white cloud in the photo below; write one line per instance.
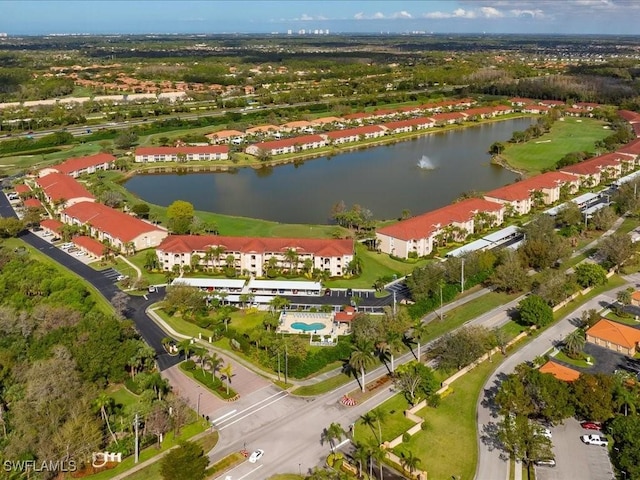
(402, 14)
(381, 16)
(490, 12)
(306, 18)
(537, 14)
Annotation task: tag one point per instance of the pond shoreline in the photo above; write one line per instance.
(300, 157)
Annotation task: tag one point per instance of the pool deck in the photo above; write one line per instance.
(287, 318)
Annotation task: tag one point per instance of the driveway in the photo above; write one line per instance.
(574, 459)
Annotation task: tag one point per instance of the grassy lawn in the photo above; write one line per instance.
(570, 135)
(182, 326)
(169, 441)
(101, 302)
(626, 320)
(395, 423)
(448, 446)
(374, 266)
(18, 163)
(573, 361)
(324, 386)
(628, 224)
(456, 317)
(122, 396)
(513, 329)
(154, 278)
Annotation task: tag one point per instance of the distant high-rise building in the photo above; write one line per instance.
(289, 32)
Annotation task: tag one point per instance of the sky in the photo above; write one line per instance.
(38, 17)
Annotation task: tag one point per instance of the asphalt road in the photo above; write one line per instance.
(492, 462)
(147, 328)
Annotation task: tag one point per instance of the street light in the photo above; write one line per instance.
(300, 469)
(198, 409)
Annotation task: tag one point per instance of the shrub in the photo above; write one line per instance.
(406, 438)
(189, 365)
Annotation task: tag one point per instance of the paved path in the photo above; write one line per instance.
(126, 260)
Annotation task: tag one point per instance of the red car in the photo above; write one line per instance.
(591, 425)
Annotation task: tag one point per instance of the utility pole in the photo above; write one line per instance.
(278, 364)
(286, 364)
(136, 442)
(394, 302)
(462, 278)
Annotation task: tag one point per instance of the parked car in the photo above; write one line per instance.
(593, 439)
(547, 462)
(591, 425)
(255, 456)
(121, 277)
(152, 288)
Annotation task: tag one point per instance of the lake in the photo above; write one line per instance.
(419, 175)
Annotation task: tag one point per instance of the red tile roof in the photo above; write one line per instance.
(350, 132)
(552, 103)
(186, 150)
(595, 164)
(225, 134)
(522, 190)
(290, 142)
(587, 105)
(90, 245)
(32, 203)
(409, 123)
(616, 333)
(636, 129)
(22, 188)
(561, 372)
(445, 117)
(357, 116)
(113, 222)
(347, 314)
(51, 224)
(478, 111)
(200, 243)
(524, 101)
(59, 186)
(75, 164)
(422, 226)
(631, 148)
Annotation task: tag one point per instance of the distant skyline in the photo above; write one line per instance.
(41, 17)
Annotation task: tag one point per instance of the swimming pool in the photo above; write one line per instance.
(308, 327)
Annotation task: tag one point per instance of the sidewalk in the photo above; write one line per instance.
(125, 260)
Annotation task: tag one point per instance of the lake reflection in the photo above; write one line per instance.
(419, 175)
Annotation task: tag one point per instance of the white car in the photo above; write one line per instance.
(255, 456)
(595, 440)
(152, 288)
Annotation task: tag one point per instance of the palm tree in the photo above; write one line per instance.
(418, 333)
(333, 433)
(292, 257)
(361, 456)
(378, 454)
(214, 361)
(409, 461)
(186, 347)
(227, 371)
(369, 419)
(380, 416)
(574, 343)
(105, 404)
(361, 358)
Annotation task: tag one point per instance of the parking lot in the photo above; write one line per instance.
(574, 459)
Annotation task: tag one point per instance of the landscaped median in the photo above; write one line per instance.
(212, 383)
